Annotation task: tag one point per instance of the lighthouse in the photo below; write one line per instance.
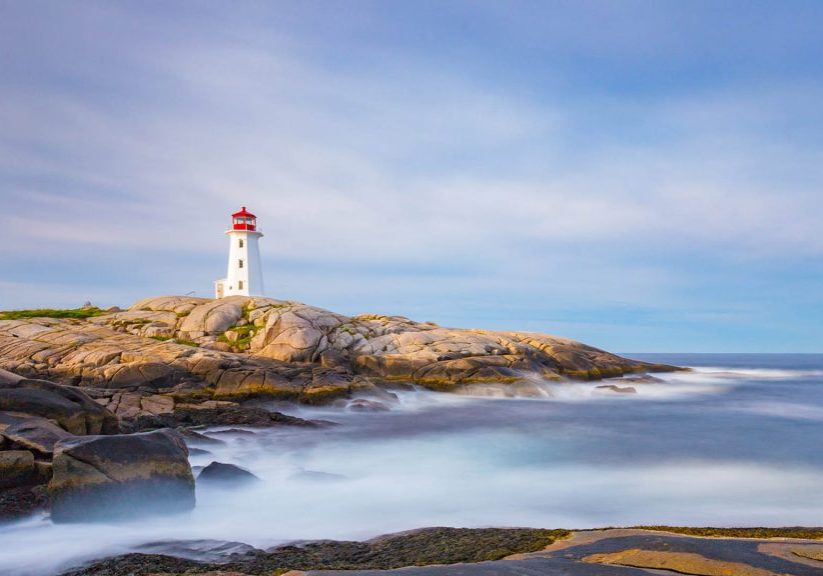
(244, 276)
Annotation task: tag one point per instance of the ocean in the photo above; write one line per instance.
(736, 441)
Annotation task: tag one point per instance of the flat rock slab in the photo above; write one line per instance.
(682, 554)
(526, 567)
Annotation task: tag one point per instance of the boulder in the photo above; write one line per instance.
(215, 317)
(618, 389)
(31, 433)
(218, 473)
(71, 408)
(364, 405)
(121, 476)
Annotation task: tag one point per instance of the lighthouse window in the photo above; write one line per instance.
(241, 242)
(239, 263)
(239, 284)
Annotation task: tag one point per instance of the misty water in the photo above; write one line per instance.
(735, 442)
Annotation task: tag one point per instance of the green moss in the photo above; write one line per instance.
(80, 313)
(348, 328)
(260, 391)
(245, 335)
(185, 342)
(160, 338)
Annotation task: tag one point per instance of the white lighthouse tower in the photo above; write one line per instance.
(245, 276)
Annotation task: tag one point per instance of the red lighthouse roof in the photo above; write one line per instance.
(243, 213)
(244, 220)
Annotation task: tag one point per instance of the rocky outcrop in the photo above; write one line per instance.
(103, 477)
(35, 416)
(169, 349)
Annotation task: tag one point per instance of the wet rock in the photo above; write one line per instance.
(121, 476)
(364, 405)
(618, 389)
(680, 562)
(642, 379)
(218, 473)
(232, 432)
(17, 469)
(202, 550)
(220, 415)
(22, 501)
(194, 437)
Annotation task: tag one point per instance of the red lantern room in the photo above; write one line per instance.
(244, 220)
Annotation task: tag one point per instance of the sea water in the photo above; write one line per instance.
(734, 442)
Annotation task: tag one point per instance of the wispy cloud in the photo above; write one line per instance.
(142, 132)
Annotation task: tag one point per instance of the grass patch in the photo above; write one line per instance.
(160, 338)
(79, 313)
(185, 342)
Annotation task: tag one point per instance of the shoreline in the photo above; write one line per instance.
(434, 550)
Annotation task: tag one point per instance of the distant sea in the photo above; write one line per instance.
(737, 441)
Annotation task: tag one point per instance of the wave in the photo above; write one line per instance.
(757, 373)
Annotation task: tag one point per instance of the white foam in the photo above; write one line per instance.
(459, 481)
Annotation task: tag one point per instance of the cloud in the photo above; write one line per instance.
(362, 150)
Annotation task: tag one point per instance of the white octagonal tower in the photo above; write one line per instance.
(245, 276)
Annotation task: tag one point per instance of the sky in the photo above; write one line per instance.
(640, 175)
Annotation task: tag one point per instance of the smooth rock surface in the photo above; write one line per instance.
(72, 409)
(221, 474)
(117, 476)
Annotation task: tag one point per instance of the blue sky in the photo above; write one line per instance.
(642, 176)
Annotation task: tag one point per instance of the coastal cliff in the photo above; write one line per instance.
(173, 353)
